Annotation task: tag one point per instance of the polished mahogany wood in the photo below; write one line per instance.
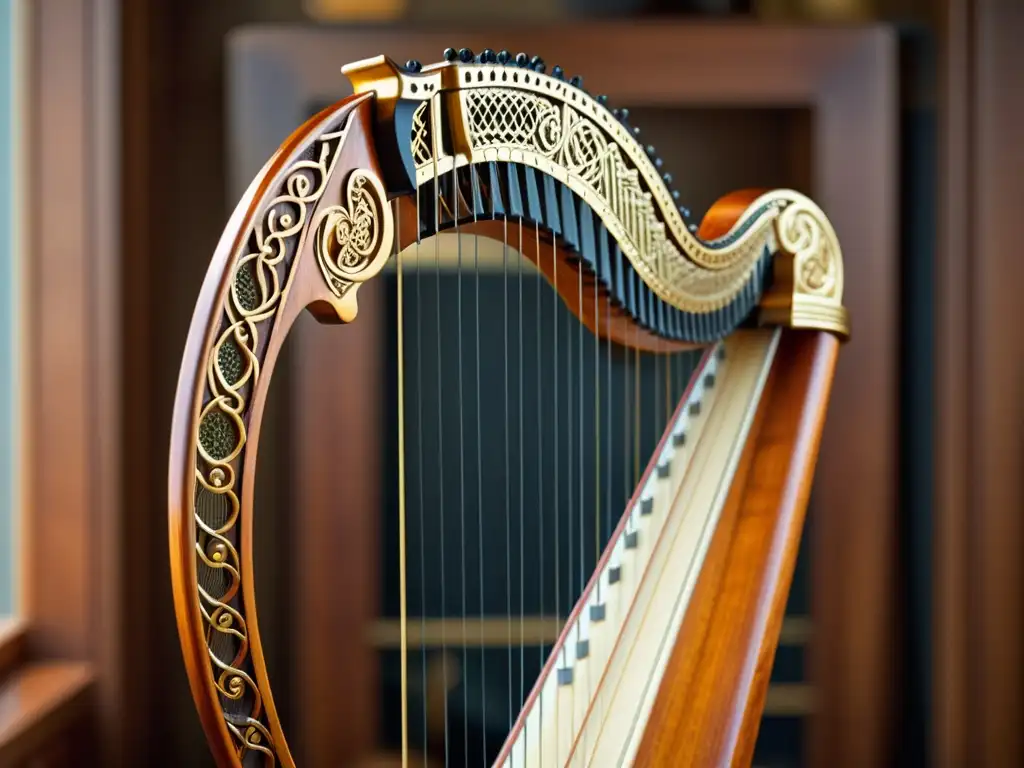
(306, 289)
(709, 705)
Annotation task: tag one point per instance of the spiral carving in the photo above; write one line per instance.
(353, 240)
(547, 132)
(233, 367)
(804, 233)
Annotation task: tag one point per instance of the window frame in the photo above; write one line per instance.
(65, 646)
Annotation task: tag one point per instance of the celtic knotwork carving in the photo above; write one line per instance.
(542, 127)
(253, 300)
(544, 123)
(353, 240)
(804, 233)
(421, 137)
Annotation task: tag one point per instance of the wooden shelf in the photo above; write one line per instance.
(38, 702)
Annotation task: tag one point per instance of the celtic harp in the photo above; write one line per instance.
(636, 469)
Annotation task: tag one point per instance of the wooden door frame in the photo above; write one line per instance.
(68, 662)
(978, 585)
(847, 77)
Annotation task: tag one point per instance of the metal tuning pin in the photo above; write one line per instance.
(537, 64)
(465, 55)
(450, 54)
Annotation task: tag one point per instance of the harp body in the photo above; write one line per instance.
(663, 658)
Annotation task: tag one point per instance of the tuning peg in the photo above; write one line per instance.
(450, 54)
(487, 56)
(504, 57)
(693, 228)
(658, 162)
(636, 131)
(465, 55)
(558, 72)
(684, 211)
(576, 81)
(650, 150)
(602, 99)
(522, 59)
(413, 66)
(537, 64)
(675, 194)
(667, 178)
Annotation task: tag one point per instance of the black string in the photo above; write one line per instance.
(479, 471)
(462, 476)
(440, 457)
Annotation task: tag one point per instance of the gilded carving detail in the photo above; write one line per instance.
(353, 241)
(804, 232)
(553, 135)
(812, 297)
(422, 146)
(257, 288)
(504, 113)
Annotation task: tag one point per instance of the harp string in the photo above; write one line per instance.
(420, 473)
(508, 485)
(579, 426)
(522, 491)
(636, 416)
(403, 600)
(555, 455)
(626, 423)
(540, 478)
(479, 470)
(597, 453)
(611, 429)
(438, 201)
(657, 402)
(597, 426)
(462, 470)
(570, 466)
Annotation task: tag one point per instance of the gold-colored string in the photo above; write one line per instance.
(403, 602)
(540, 479)
(636, 418)
(597, 426)
(668, 389)
(438, 200)
(456, 203)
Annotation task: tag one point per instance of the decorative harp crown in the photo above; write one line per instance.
(557, 156)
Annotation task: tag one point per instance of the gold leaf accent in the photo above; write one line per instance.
(256, 293)
(353, 240)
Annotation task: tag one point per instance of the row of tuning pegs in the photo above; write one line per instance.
(537, 64)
